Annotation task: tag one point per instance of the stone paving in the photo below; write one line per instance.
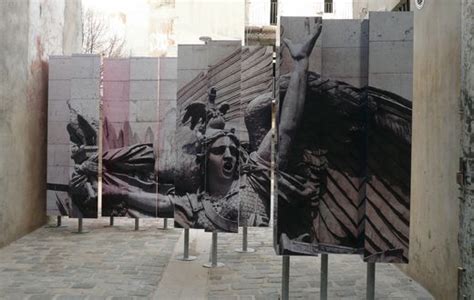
(120, 263)
(105, 263)
(255, 276)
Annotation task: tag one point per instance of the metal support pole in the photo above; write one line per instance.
(79, 225)
(165, 224)
(59, 221)
(285, 278)
(245, 248)
(111, 220)
(186, 256)
(213, 263)
(370, 281)
(324, 277)
(137, 224)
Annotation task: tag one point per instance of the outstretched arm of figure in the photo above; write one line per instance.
(293, 103)
(150, 203)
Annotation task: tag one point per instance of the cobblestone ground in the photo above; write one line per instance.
(255, 276)
(105, 263)
(120, 263)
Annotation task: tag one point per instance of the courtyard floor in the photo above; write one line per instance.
(121, 263)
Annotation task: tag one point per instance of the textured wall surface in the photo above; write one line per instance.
(434, 221)
(391, 52)
(467, 204)
(30, 30)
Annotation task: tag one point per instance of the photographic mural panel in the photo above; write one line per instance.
(73, 124)
(208, 146)
(255, 115)
(334, 130)
(387, 217)
(130, 123)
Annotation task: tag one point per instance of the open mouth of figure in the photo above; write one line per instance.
(228, 166)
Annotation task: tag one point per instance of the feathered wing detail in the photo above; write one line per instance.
(196, 112)
(345, 129)
(388, 179)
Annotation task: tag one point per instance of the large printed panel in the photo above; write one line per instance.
(207, 172)
(130, 110)
(340, 143)
(255, 114)
(389, 139)
(165, 145)
(83, 129)
(345, 186)
(59, 150)
(321, 129)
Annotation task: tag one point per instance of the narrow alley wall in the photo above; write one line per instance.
(434, 221)
(30, 30)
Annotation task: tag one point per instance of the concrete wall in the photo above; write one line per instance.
(30, 30)
(434, 254)
(361, 8)
(391, 52)
(466, 235)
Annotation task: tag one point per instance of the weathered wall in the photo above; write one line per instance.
(30, 30)
(434, 254)
(466, 236)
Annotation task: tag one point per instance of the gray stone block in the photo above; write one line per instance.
(167, 90)
(58, 111)
(344, 62)
(391, 26)
(391, 57)
(116, 69)
(192, 57)
(143, 90)
(345, 33)
(85, 66)
(168, 68)
(116, 91)
(59, 90)
(144, 68)
(58, 174)
(57, 133)
(59, 68)
(59, 155)
(85, 88)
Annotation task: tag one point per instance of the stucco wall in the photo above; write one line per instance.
(30, 30)
(434, 254)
